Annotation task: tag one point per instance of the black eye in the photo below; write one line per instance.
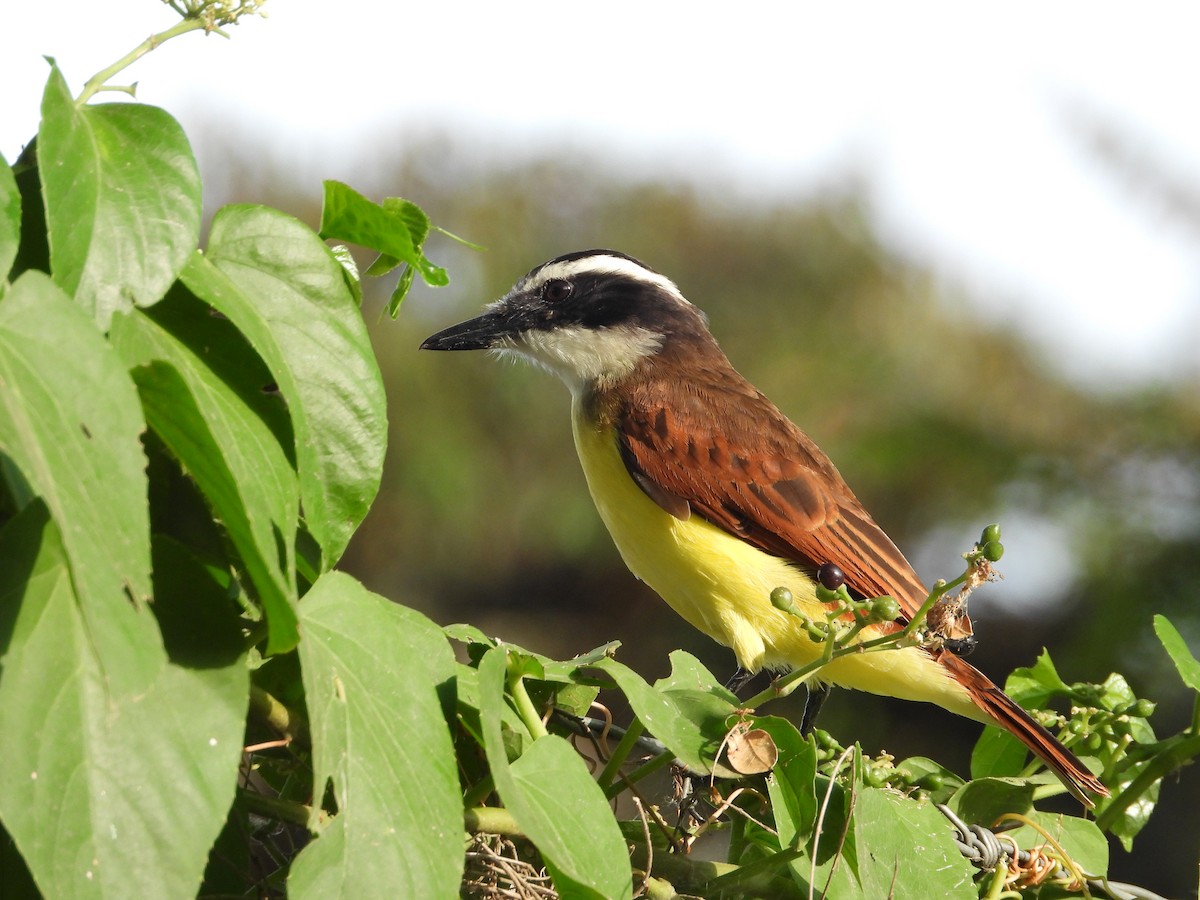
(556, 290)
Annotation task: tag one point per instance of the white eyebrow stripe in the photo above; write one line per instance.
(604, 265)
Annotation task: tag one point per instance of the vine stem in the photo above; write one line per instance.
(1163, 763)
(278, 809)
(621, 753)
(278, 716)
(646, 768)
(835, 649)
(491, 820)
(525, 708)
(99, 81)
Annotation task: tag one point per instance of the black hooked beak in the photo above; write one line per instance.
(479, 333)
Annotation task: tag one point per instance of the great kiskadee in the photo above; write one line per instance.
(713, 497)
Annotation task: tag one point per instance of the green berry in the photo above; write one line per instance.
(885, 609)
(991, 533)
(932, 781)
(781, 598)
(1143, 709)
(992, 551)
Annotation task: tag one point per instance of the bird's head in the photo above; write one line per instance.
(589, 317)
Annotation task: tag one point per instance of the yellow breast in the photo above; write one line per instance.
(722, 585)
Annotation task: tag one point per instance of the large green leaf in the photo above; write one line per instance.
(372, 671)
(187, 366)
(692, 722)
(10, 219)
(982, 801)
(997, 754)
(554, 799)
(122, 195)
(112, 796)
(285, 291)
(904, 849)
(1177, 648)
(70, 421)
(791, 784)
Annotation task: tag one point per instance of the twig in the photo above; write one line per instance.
(812, 872)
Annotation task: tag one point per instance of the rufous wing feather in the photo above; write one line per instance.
(1023, 727)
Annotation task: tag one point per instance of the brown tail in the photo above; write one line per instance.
(1009, 716)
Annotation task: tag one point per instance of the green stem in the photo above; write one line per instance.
(996, 889)
(478, 791)
(659, 889)
(97, 82)
(756, 879)
(491, 820)
(1159, 766)
(256, 632)
(525, 708)
(278, 717)
(621, 752)
(844, 646)
(277, 808)
(939, 591)
(646, 768)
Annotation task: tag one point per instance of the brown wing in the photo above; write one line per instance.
(719, 445)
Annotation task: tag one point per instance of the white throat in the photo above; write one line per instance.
(583, 357)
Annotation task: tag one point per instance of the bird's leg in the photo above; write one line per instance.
(817, 695)
(739, 679)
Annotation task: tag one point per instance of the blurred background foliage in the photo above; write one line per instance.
(941, 419)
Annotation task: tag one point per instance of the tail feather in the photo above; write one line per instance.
(1005, 712)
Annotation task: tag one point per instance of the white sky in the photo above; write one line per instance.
(957, 116)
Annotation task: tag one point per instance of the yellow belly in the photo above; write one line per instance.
(722, 586)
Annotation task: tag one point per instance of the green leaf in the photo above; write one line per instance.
(1133, 812)
(516, 736)
(414, 219)
(212, 428)
(92, 785)
(791, 785)
(70, 421)
(10, 219)
(1177, 649)
(997, 754)
(554, 799)
(688, 673)
(984, 800)
(573, 699)
(905, 849)
(396, 229)
(932, 777)
(1115, 693)
(34, 249)
(372, 670)
(1035, 685)
(350, 269)
(286, 293)
(467, 634)
(122, 195)
(691, 723)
